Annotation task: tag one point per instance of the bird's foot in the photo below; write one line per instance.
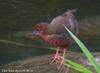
(62, 61)
(56, 58)
(58, 61)
(61, 64)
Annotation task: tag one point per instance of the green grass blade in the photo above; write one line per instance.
(85, 51)
(78, 67)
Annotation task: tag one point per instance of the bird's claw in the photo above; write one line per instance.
(56, 59)
(61, 65)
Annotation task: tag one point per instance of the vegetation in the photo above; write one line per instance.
(85, 51)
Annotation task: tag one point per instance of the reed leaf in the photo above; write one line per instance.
(77, 66)
(85, 51)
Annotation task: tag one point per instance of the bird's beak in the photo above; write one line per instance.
(35, 32)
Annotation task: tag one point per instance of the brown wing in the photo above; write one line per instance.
(68, 19)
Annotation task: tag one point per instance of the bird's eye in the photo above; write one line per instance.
(38, 29)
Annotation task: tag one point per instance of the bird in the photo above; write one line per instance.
(55, 34)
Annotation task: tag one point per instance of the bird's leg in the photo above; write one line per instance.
(62, 61)
(57, 56)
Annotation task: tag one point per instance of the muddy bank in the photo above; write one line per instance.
(41, 64)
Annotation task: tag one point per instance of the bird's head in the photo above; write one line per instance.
(40, 29)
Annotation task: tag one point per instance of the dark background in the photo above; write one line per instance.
(21, 15)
